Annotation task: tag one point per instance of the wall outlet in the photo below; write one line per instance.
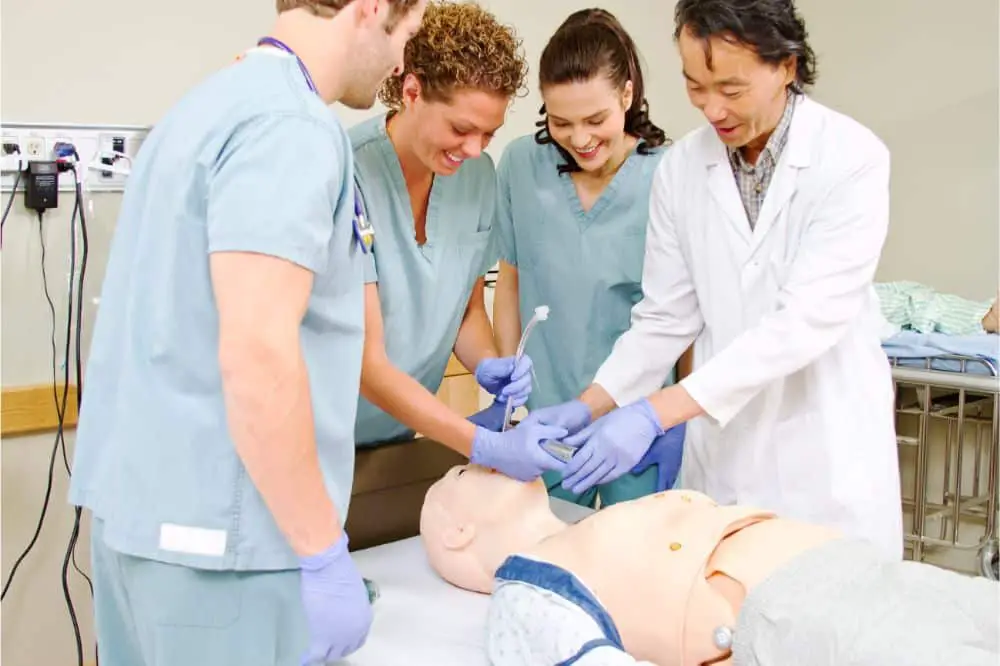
(12, 160)
(37, 141)
(58, 140)
(34, 147)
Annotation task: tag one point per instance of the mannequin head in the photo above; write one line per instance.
(474, 518)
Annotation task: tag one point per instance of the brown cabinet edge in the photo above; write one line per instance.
(455, 367)
(29, 410)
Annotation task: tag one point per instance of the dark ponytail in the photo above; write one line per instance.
(589, 43)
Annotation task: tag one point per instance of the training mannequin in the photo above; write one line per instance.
(673, 579)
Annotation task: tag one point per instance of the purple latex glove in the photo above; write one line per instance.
(572, 415)
(666, 452)
(610, 446)
(506, 378)
(335, 599)
(517, 452)
(490, 418)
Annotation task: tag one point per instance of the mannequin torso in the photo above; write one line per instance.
(673, 578)
(673, 567)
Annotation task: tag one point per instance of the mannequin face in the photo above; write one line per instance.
(473, 518)
(484, 495)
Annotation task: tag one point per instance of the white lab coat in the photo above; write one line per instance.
(788, 365)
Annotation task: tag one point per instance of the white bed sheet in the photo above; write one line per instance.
(420, 620)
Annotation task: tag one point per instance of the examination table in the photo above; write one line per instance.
(420, 620)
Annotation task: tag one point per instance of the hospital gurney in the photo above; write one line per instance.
(947, 416)
(420, 620)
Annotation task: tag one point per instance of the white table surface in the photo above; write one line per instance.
(419, 618)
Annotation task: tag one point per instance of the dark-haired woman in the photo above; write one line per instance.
(572, 212)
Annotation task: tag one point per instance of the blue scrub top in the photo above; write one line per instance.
(586, 266)
(423, 289)
(248, 161)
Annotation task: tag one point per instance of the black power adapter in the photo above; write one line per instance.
(41, 187)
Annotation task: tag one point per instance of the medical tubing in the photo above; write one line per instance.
(509, 409)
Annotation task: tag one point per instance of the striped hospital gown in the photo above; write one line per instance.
(916, 307)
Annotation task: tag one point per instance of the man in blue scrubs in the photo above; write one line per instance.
(428, 187)
(214, 448)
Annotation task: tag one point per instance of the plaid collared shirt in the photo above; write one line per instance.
(753, 181)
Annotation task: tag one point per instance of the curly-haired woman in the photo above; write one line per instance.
(572, 212)
(428, 190)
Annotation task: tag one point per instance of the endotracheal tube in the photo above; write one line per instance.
(541, 314)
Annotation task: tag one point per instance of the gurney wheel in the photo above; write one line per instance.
(989, 560)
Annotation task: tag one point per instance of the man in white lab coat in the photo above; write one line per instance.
(765, 231)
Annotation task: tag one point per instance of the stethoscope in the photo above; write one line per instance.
(363, 230)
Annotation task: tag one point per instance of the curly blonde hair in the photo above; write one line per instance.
(329, 8)
(459, 45)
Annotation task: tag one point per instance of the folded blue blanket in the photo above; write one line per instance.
(911, 349)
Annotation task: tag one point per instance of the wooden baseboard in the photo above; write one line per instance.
(29, 410)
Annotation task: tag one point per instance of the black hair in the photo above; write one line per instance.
(588, 43)
(772, 28)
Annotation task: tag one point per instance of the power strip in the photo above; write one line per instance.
(95, 144)
(13, 163)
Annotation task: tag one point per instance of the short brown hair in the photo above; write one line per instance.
(328, 8)
(459, 45)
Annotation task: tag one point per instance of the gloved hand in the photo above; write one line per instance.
(517, 452)
(572, 415)
(666, 452)
(506, 378)
(335, 599)
(610, 446)
(490, 418)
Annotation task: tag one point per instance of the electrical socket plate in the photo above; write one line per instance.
(33, 147)
(36, 141)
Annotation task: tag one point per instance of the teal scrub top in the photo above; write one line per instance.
(248, 161)
(423, 289)
(586, 266)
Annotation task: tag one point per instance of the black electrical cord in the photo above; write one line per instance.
(61, 405)
(10, 202)
(74, 330)
(60, 408)
(78, 511)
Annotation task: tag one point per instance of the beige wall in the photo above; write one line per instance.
(925, 82)
(923, 74)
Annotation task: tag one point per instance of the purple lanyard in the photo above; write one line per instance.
(271, 41)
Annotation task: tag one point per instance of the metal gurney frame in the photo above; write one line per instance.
(962, 401)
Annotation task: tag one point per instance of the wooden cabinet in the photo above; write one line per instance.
(459, 389)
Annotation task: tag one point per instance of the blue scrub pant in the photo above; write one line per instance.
(148, 613)
(626, 487)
